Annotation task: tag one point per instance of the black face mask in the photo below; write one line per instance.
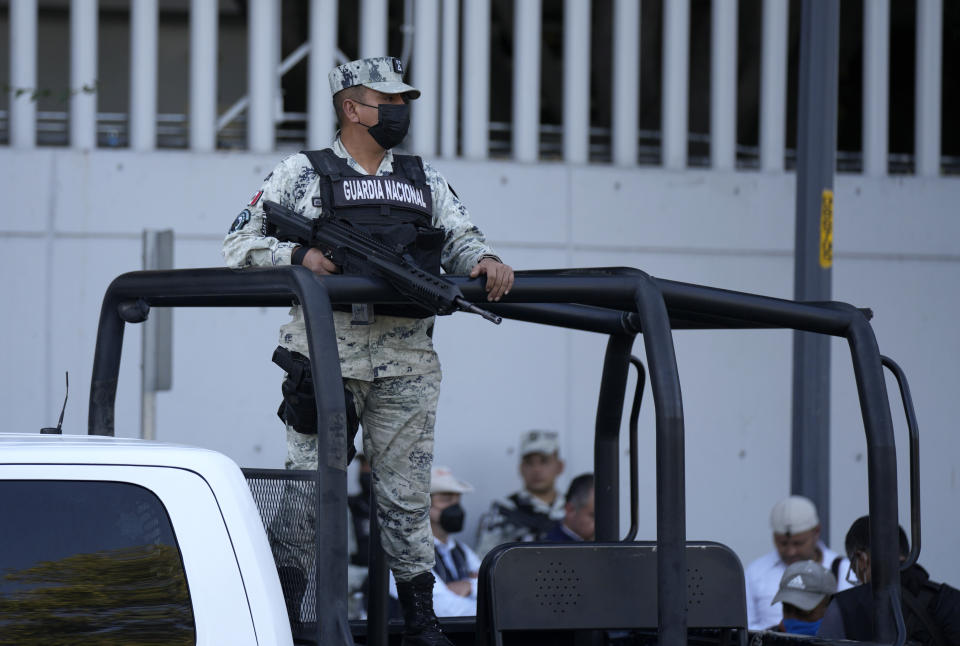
(365, 480)
(451, 519)
(393, 121)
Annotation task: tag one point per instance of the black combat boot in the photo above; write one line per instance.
(421, 627)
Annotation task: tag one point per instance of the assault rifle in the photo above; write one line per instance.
(342, 242)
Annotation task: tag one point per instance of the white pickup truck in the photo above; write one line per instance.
(107, 540)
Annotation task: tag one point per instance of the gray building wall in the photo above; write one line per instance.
(72, 221)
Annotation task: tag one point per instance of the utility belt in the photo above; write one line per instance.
(298, 409)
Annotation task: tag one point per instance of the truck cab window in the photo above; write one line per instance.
(85, 562)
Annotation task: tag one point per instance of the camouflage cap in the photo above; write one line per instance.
(383, 73)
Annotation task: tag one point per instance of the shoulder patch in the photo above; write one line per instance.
(241, 221)
(255, 198)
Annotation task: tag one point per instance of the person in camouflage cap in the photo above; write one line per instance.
(383, 74)
(390, 369)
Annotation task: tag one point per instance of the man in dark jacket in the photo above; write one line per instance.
(931, 611)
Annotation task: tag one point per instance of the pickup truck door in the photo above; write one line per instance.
(98, 524)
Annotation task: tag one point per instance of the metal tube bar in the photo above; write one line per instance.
(536, 296)
(773, 85)
(426, 31)
(882, 478)
(671, 488)
(83, 74)
(876, 86)
(907, 401)
(263, 45)
(606, 441)
(331, 526)
(526, 81)
(476, 79)
(203, 75)
(373, 28)
(676, 75)
(144, 23)
(927, 95)
(723, 85)
(323, 51)
(23, 74)
(626, 81)
(576, 81)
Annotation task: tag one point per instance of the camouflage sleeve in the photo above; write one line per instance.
(464, 244)
(247, 242)
(491, 531)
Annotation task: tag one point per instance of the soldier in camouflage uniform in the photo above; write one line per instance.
(528, 514)
(388, 362)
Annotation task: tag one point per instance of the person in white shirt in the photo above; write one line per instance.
(456, 567)
(796, 537)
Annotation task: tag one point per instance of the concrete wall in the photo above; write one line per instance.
(72, 221)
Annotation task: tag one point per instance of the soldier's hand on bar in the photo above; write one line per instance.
(315, 261)
(499, 277)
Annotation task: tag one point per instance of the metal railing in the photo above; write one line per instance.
(442, 62)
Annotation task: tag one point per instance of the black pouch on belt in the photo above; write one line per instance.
(299, 406)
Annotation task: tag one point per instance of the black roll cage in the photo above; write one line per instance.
(617, 301)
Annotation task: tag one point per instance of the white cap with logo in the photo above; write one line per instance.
(804, 584)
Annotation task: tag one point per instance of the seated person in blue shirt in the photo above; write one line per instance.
(805, 592)
(578, 520)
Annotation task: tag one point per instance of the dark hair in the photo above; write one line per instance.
(858, 538)
(354, 93)
(580, 490)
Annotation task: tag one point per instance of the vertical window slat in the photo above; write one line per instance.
(23, 73)
(144, 23)
(626, 81)
(526, 80)
(264, 48)
(876, 85)
(373, 28)
(323, 49)
(476, 79)
(423, 75)
(929, 68)
(676, 75)
(723, 85)
(773, 85)
(83, 74)
(450, 87)
(203, 75)
(576, 81)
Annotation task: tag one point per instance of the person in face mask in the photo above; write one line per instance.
(390, 369)
(456, 568)
(805, 592)
(456, 565)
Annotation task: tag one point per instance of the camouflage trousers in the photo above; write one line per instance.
(397, 415)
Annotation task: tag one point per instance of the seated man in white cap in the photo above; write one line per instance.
(796, 537)
(805, 592)
(456, 567)
(528, 514)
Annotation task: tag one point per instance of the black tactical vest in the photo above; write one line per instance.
(395, 209)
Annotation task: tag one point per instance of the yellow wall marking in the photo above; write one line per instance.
(826, 229)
